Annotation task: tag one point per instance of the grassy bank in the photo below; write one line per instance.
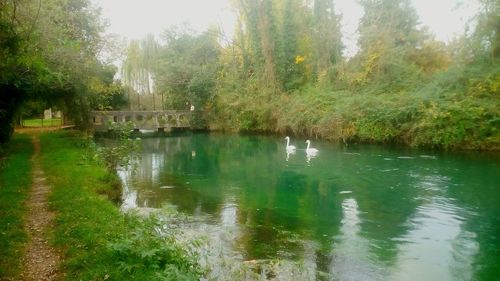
(97, 241)
(15, 180)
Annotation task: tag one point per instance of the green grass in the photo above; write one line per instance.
(15, 180)
(97, 241)
(42, 122)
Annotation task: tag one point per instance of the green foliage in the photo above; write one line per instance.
(123, 150)
(15, 180)
(454, 109)
(287, 48)
(105, 93)
(186, 71)
(138, 69)
(48, 53)
(243, 110)
(33, 108)
(485, 41)
(327, 51)
(146, 248)
(402, 86)
(96, 240)
(286, 43)
(301, 113)
(460, 109)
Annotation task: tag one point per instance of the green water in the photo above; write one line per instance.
(354, 213)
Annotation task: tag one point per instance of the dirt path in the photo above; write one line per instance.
(41, 261)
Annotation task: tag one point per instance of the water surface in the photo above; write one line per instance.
(350, 213)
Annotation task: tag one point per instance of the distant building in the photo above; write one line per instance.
(47, 113)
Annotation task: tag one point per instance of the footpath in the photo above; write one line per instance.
(41, 261)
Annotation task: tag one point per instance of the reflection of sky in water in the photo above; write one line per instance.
(156, 165)
(228, 215)
(129, 195)
(351, 258)
(436, 235)
(344, 214)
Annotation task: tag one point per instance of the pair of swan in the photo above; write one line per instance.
(309, 149)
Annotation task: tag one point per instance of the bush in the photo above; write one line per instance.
(148, 248)
(453, 109)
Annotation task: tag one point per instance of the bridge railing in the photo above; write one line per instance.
(142, 120)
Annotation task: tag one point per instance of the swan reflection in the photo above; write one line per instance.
(288, 153)
(310, 156)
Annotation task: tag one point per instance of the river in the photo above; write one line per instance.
(358, 212)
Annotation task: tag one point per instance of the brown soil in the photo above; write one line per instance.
(41, 261)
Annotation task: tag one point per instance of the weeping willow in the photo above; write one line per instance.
(137, 71)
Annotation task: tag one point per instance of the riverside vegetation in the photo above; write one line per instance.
(98, 242)
(284, 70)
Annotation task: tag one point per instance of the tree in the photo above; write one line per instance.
(289, 69)
(187, 69)
(105, 92)
(133, 72)
(138, 71)
(258, 40)
(327, 39)
(486, 37)
(388, 34)
(48, 51)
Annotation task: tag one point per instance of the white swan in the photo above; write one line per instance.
(288, 146)
(311, 150)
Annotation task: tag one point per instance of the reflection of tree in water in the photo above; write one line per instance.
(386, 200)
(282, 207)
(475, 181)
(293, 211)
(386, 203)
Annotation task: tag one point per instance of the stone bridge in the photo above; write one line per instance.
(163, 120)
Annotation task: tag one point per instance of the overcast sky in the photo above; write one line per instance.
(134, 19)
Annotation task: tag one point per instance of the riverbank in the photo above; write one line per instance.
(357, 210)
(454, 110)
(99, 242)
(96, 241)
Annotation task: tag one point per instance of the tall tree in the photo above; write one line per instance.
(288, 49)
(388, 34)
(257, 40)
(132, 71)
(327, 39)
(187, 69)
(487, 33)
(149, 48)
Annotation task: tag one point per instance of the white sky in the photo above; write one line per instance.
(134, 19)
